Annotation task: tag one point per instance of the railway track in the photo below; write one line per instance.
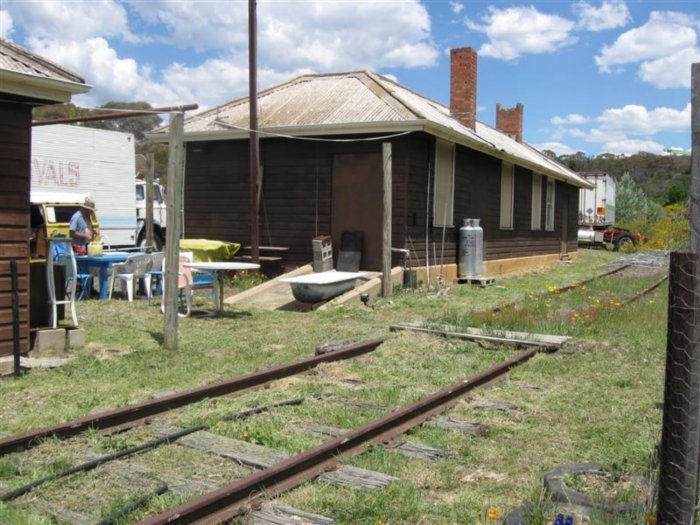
(244, 495)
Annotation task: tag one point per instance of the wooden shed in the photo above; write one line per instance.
(321, 142)
(26, 80)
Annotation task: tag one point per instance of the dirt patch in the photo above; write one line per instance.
(105, 353)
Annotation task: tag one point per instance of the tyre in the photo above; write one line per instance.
(623, 242)
(157, 243)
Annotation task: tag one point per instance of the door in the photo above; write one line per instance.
(357, 204)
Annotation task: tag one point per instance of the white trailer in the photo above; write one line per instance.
(596, 209)
(80, 161)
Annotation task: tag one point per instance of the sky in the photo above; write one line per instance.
(609, 76)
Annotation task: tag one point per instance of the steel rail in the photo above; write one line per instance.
(645, 291)
(566, 288)
(128, 414)
(231, 500)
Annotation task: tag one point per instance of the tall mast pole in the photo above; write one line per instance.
(254, 137)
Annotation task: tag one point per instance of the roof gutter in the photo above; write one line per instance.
(40, 87)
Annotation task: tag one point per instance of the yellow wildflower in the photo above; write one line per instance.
(650, 519)
(494, 514)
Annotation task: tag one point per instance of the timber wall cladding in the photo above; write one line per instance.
(477, 195)
(295, 204)
(15, 152)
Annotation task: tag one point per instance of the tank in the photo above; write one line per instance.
(471, 249)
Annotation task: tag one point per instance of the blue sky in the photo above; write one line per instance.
(593, 76)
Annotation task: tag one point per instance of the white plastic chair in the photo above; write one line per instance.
(155, 274)
(187, 285)
(129, 272)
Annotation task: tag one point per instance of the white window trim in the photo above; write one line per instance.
(536, 210)
(447, 219)
(507, 197)
(550, 204)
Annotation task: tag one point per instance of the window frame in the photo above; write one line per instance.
(536, 207)
(550, 203)
(507, 211)
(440, 218)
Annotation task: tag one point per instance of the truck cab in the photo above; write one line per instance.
(159, 214)
(50, 214)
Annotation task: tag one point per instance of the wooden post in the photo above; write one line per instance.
(254, 137)
(149, 205)
(172, 244)
(386, 225)
(695, 158)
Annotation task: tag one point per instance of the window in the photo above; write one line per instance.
(536, 223)
(549, 205)
(140, 192)
(507, 190)
(443, 203)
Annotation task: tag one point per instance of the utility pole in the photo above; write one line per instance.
(254, 137)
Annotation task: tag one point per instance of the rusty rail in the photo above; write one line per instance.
(121, 416)
(231, 500)
(645, 291)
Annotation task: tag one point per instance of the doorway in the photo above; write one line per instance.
(357, 204)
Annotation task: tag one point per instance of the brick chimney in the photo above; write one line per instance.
(510, 121)
(463, 85)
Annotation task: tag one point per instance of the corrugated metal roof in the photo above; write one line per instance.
(364, 98)
(16, 59)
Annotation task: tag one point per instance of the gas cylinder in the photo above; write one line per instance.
(471, 249)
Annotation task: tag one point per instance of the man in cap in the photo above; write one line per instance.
(81, 231)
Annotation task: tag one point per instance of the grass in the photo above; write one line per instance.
(595, 400)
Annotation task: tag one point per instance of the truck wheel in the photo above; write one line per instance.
(624, 242)
(157, 243)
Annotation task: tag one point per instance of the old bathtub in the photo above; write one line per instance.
(321, 286)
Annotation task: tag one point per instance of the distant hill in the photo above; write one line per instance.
(664, 178)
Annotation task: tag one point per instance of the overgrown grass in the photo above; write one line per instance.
(595, 400)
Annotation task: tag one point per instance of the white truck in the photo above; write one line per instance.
(596, 215)
(73, 160)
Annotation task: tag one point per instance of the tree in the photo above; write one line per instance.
(632, 206)
(138, 126)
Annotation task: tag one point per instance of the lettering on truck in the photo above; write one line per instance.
(47, 172)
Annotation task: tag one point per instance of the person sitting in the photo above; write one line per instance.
(80, 229)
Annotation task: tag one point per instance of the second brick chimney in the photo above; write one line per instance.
(463, 85)
(510, 121)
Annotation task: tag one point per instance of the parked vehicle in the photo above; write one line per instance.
(596, 215)
(50, 214)
(78, 161)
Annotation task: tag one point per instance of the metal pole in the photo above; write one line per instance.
(15, 316)
(254, 137)
(149, 204)
(172, 244)
(386, 225)
(680, 437)
(117, 115)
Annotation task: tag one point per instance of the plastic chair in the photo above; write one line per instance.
(188, 283)
(61, 252)
(155, 274)
(129, 272)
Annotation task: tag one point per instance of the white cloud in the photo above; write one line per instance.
(516, 31)
(76, 20)
(571, 118)
(638, 120)
(316, 34)
(6, 24)
(670, 71)
(630, 147)
(113, 78)
(610, 14)
(556, 147)
(457, 7)
(664, 34)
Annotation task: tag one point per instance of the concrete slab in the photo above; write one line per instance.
(49, 342)
(75, 337)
